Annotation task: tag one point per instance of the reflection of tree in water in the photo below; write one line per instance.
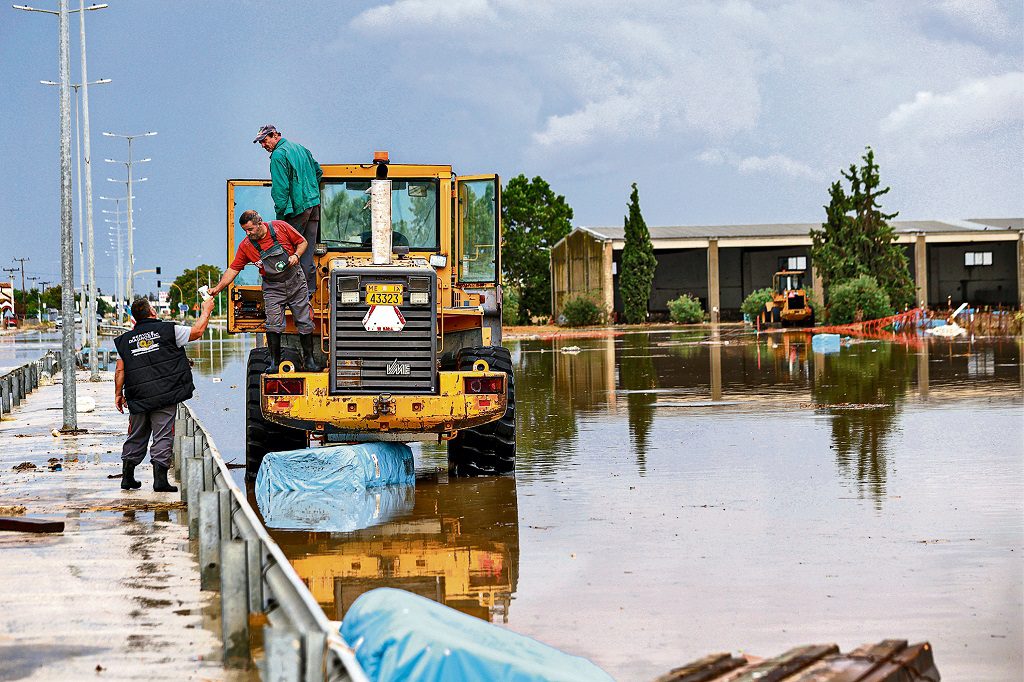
(636, 375)
(868, 374)
(545, 417)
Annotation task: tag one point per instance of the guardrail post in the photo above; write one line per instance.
(224, 505)
(315, 641)
(194, 473)
(207, 470)
(209, 540)
(255, 563)
(5, 393)
(15, 389)
(234, 611)
(283, 654)
(187, 453)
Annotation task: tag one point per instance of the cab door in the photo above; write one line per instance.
(478, 230)
(245, 294)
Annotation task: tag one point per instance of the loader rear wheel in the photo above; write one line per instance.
(489, 449)
(262, 436)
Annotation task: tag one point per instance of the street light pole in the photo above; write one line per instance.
(88, 301)
(67, 258)
(131, 245)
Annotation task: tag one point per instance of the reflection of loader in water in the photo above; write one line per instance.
(459, 547)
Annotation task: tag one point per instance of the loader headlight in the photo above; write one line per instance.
(350, 296)
(419, 297)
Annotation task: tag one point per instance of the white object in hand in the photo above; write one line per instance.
(204, 291)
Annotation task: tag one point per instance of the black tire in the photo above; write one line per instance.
(489, 449)
(262, 436)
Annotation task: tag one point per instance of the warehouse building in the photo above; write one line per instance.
(979, 260)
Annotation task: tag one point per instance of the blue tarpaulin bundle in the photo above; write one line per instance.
(398, 635)
(335, 512)
(825, 343)
(337, 468)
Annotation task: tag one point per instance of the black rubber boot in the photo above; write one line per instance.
(128, 481)
(274, 344)
(309, 363)
(160, 483)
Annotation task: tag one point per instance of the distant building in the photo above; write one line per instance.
(979, 260)
(6, 302)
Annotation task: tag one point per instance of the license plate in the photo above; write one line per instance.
(384, 294)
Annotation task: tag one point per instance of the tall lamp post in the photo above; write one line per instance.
(88, 301)
(128, 166)
(67, 262)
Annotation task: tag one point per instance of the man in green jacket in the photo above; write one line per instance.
(295, 187)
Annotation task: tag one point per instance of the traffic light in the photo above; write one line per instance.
(158, 283)
(158, 269)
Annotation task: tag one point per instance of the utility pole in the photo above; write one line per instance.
(22, 262)
(128, 166)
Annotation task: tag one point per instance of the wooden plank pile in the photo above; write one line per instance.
(891, 660)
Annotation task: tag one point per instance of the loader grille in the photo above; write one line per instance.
(796, 302)
(365, 362)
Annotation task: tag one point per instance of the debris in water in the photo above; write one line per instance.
(571, 350)
(24, 466)
(27, 525)
(12, 510)
(216, 380)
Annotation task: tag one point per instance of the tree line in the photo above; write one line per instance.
(864, 271)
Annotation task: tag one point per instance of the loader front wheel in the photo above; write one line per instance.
(262, 436)
(489, 449)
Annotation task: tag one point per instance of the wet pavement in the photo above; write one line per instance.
(680, 492)
(116, 595)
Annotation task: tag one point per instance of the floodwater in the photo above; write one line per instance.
(682, 492)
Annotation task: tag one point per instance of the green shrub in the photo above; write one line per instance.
(753, 304)
(510, 314)
(685, 310)
(580, 311)
(857, 299)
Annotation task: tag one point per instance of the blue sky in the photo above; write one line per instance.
(722, 112)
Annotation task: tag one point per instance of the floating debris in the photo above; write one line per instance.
(12, 510)
(571, 350)
(137, 505)
(843, 406)
(24, 466)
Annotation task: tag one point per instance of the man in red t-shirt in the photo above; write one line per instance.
(284, 283)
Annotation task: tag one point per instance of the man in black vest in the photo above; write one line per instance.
(153, 375)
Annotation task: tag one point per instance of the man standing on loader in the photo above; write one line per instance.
(276, 248)
(295, 188)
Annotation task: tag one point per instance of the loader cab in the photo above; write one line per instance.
(788, 280)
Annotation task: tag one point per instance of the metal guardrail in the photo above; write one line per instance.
(238, 557)
(16, 384)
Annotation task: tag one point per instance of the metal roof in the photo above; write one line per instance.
(802, 229)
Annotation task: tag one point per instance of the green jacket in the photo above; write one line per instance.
(295, 179)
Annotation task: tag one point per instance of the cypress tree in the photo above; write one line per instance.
(638, 263)
(856, 238)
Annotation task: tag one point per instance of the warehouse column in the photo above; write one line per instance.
(1020, 269)
(607, 279)
(714, 294)
(921, 271)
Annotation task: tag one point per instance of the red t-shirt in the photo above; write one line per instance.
(287, 237)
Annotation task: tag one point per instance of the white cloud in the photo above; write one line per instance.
(421, 13)
(978, 107)
(779, 164)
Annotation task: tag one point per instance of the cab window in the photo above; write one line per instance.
(479, 207)
(257, 198)
(345, 215)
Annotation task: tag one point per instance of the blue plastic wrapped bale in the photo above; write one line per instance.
(825, 343)
(398, 635)
(335, 512)
(341, 468)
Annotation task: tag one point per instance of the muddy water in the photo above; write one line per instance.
(683, 492)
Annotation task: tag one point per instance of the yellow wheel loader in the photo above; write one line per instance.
(407, 310)
(789, 306)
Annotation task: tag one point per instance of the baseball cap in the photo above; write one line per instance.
(268, 129)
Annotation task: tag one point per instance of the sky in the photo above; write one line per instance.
(722, 112)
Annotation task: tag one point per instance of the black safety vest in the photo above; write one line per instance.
(156, 371)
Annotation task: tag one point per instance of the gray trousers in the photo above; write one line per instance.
(307, 224)
(292, 293)
(160, 424)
